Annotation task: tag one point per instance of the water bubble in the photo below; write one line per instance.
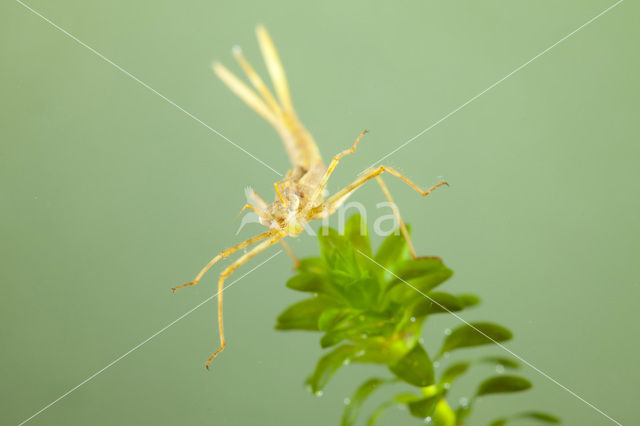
(346, 361)
(447, 354)
(347, 401)
(359, 353)
(427, 419)
(413, 319)
(319, 394)
(447, 331)
(447, 385)
(499, 369)
(436, 364)
(464, 401)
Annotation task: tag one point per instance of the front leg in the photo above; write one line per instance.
(335, 201)
(230, 269)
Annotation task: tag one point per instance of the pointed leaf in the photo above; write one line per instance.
(415, 278)
(372, 420)
(417, 268)
(356, 231)
(453, 371)
(314, 265)
(542, 417)
(303, 315)
(503, 384)
(392, 249)
(352, 410)
(505, 362)
(468, 300)
(423, 407)
(475, 334)
(328, 365)
(305, 281)
(415, 367)
(436, 303)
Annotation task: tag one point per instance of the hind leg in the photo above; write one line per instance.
(224, 275)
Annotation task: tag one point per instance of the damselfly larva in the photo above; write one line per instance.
(300, 195)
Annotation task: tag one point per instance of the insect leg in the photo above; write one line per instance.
(396, 213)
(226, 253)
(230, 269)
(334, 162)
(332, 204)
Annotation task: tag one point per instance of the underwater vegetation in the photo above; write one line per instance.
(371, 308)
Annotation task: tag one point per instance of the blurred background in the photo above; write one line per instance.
(111, 196)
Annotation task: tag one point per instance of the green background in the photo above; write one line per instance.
(110, 196)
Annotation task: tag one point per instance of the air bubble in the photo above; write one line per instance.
(413, 319)
(347, 401)
(436, 364)
(319, 394)
(499, 369)
(427, 419)
(447, 331)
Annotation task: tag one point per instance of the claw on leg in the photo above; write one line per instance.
(174, 289)
(213, 355)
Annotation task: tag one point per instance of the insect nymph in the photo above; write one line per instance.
(300, 195)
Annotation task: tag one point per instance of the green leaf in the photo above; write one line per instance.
(453, 371)
(314, 265)
(329, 318)
(306, 281)
(337, 252)
(436, 303)
(371, 421)
(444, 415)
(303, 315)
(423, 407)
(328, 365)
(352, 409)
(533, 415)
(357, 326)
(416, 277)
(503, 384)
(505, 362)
(356, 231)
(537, 415)
(468, 300)
(360, 293)
(414, 367)
(392, 249)
(417, 268)
(475, 334)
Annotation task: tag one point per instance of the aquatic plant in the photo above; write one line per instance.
(372, 307)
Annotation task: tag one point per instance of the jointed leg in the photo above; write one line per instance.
(226, 253)
(291, 254)
(396, 213)
(339, 197)
(230, 269)
(250, 207)
(262, 205)
(280, 196)
(332, 166)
